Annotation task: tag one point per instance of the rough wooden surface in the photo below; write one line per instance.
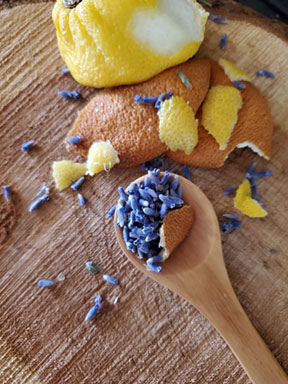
(150, 335)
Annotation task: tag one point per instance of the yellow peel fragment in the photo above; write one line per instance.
(101, 157)
(232, 71)
(220, 112)
(244, 202)
(178, 128)
(64, 172)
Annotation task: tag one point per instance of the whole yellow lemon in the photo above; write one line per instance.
(112, 42)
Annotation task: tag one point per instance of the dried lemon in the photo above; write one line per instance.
(65, 172)
(101, 156)
(220, 112)
(244, 202)
(178, 128)
(105, 43)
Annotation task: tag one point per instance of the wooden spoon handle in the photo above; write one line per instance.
(224, 311)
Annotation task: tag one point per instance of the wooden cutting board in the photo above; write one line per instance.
(150, 335)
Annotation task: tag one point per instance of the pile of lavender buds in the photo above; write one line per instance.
(141, 210)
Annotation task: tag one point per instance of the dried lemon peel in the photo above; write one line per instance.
(152, 35)
(176, 226)
(64, 172)
(178, 128)
(220, 112)
(233, 72)
(244, 202)
(101, 157)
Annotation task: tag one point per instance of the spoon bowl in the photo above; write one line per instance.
(196, 271)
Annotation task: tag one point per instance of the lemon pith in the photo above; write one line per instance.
(102, 46)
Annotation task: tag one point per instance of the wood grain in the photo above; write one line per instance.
(150, 335)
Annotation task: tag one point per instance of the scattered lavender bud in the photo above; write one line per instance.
(230, 190)
(218, 20)
(228, 227)
(92, 267)
(223, 41)
(74, 139)
(186, 172)
(111, 211)
(250, 170)
(265, 73)
(239, 84)
(162, 97)
(81, 199)
(174, 183)
(45, 283)
(65, 71)
(73, 95)
(110, 279)
(231, 217)
(28, 145)
(95, 309)
(75, 186)
(153, 267)
(7, 192)
(145, 99)
(38, 202)
(265, 173)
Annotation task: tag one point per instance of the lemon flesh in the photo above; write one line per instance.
(65, 172)
(178, 128)
(101, 157)
(105, 43)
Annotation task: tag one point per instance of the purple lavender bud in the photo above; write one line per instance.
(265, 173)
(81, 199)
(45, 283)
(28, 145)
(186, 172)
(229, 190)
(7, 192)
(74, 139)
(65, 71)
(228, 227)
(223, 41)
(95, 309)
(174, 183)
(72, 95)
(77, 184)
(231, 217)
(38, 202)
(122, 194)
(110, 279)
(265, 73)
(111, 211)
(239, 84)
(218, 20)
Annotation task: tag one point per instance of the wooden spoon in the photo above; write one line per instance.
(196, 271)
